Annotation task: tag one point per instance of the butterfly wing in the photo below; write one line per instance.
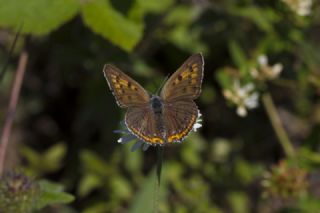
(180, 112)
(179, 118)
(186, 82)
(142, 122)
(126, 91)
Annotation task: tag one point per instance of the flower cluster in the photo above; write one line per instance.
(284, 181)
(18, 193)
(127, 136)
(244, 97)
(264, 71)
(301, 7)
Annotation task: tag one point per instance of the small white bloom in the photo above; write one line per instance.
(242, 111)
(264, 71)
(277, 68)
(251, 101)
(127, 137)
(198, 124)
(263, 60)
(244, 97)
(301, 7)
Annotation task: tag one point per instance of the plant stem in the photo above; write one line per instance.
(4, 68)
(277, 125)
(14, 96)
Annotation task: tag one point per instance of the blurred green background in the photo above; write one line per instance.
(258, 148)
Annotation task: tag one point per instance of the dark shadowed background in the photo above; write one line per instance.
(257, 150)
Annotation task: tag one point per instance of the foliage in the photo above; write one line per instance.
(257, 150)
(21, 194)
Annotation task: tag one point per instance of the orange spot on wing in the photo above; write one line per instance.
(194, 75)
(123, 82)
(183, 133)
(185, 74)
(194, 66)
(152, 140)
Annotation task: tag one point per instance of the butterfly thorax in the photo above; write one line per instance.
(156, 104)
(157, 108)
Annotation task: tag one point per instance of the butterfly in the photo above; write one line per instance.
(165, 118)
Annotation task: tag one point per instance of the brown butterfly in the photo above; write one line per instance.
(165, 118)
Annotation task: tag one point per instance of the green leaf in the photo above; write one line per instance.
(140, 8)
(49, 161)
(99, 207)
(154, 6)
(93, 163)
(53, 157)
(142, 201)
(237, 54)
(88, 183)
(120, 188)
(102, 18)
(263, 18)
(239, 202)
(191, 43)
(52, 193)
(37, 16)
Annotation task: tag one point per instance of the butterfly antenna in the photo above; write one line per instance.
(162, 84)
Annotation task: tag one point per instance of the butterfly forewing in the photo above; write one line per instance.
(185, 83)
(126, 90)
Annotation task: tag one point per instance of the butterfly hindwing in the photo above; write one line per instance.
(179, 118)
(185, 83)
(142, 122)
(126, 90)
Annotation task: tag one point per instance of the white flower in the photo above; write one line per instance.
(264, 71)
(301, 7)
(244, 97)
(242, 111)
(198, 124)
(127, 136)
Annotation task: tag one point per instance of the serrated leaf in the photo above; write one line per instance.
(102, 18)
(52, 193)
(38, 17)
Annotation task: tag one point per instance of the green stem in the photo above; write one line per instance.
(277, 125)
